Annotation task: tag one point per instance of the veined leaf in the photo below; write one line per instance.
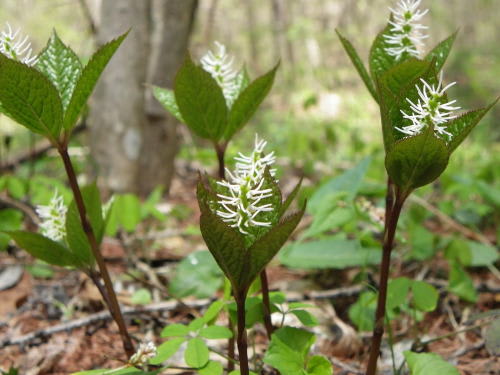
(417, 161)
(248, 101)
(61, 66)
(88, 79)
(358, 64)
(265, 248)
(44, 248)
(29, 98)
(461, 126)
(428, 364)
(200, 101)
(441, 51)
(167, 99)
(379, 60)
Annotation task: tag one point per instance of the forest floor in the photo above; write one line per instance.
(85, 339)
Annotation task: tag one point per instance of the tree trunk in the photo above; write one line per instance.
(132, 139)
(173, 21)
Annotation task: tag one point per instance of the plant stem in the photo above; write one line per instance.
(220, 150)
(242, 335)
(391, 223)
(230, 346)
(266, 303)
(109, 296)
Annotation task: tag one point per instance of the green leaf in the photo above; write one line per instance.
(44, 248)
(288, 350)
(61, 66)
(306, 318)
(378, 59)
(362, 313)
(459, 250)
(216, 332)
(226, 244)
(461, 284)
(358, 64)
(29, 98)
(167, 99)
(428, 364)
(211, 368)
(196, 275)
(482, 255)
(196, 354)
(213, 311)
(141, 296)
(397, 292)
(88, 79)
(460, 127)
(441, 51)
(173, 330)
(196, 324)
(319, 365)
(288, 201)
(167, 350)
(200, 101)
(425, 296)
(10, 220)
(265, 248)
(248, 101)
(349, 181)
(417, 161)
(329, 253)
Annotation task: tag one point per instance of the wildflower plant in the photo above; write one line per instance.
(421, 126)
(47, 94)
(213, 99)
(244, 225)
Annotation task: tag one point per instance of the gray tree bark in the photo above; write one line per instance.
(132, 140)
(173, 22)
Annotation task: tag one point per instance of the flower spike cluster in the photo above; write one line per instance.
(220, 65)
(15, 47)
(406, 30)
(53, 218)
(241, 205)
(144, 353)
(429, 110)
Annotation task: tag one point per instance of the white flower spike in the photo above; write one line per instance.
(144, 353)
(406, 29)
(15, 47)
(53, 218)
(242, 206)
(429, 110)
(220, 66)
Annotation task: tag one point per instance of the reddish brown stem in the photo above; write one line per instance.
(242, 335)
(266, 303)
(391, 223)
(109, 295)
(220, 150)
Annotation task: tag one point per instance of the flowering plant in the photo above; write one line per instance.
(420, 125)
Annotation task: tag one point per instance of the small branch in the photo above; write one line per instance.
(88, 16)
(162, 307)
(23, 207)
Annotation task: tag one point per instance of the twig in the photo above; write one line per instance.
(21, 206)
(88, 16)
(346, 367)
(39, 149)
(160, 307)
